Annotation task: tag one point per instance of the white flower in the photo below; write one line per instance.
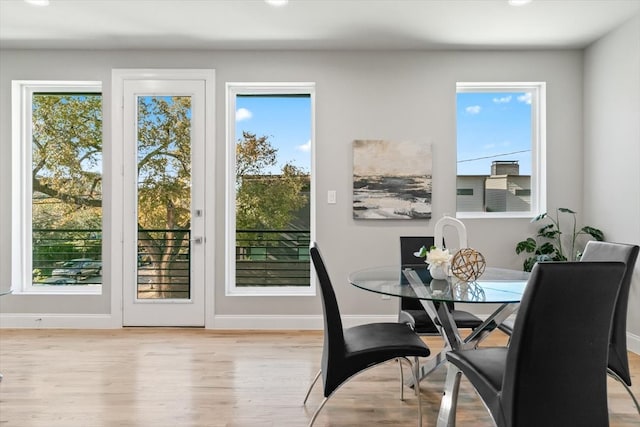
(437, 256)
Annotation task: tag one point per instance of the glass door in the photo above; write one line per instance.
(164, 240)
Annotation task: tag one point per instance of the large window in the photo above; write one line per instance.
(269, 215)
(57, 187)
(500, 149)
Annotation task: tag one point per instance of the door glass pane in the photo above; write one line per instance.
(66, 189)
(164, 197)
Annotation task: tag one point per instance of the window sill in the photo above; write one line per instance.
(494, 215)
(275, 292)
(59, 290)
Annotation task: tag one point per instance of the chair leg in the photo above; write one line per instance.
(416, 381)
(315, 414)
(621, 381)
(415, 373)
(311, 386)
(401, 379)
(449, 403)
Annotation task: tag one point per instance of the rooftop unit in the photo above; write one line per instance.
(505, 167)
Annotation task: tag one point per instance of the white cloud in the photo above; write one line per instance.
(243, 114)
(526, 98)
(503, 100)
(474, 109)
(305, 147)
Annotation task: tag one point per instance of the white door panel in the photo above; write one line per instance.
(164, 208)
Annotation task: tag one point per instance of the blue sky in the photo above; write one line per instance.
(286, 120)
(490, 126)
(493, 126)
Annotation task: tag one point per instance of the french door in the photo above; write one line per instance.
(164, 208)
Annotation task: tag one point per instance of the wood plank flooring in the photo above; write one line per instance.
(195, 377)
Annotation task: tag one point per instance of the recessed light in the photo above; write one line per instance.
(37, 2)
(277, 3)
(519, 2)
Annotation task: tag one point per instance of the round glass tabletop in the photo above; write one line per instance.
(496, 285)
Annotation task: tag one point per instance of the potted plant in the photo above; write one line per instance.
(552, 244)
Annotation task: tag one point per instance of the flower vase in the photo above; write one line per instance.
(439, 271)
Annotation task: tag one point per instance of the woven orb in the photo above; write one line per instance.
(468, 264)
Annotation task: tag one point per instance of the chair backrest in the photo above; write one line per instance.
(334, 348)
(409, 245)
(628, 254)
(557, 359)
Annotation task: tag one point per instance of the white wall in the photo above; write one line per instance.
(612, 146)
(360, 95)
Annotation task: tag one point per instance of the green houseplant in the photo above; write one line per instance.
(552, 244)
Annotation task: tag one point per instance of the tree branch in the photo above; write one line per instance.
(67, 198)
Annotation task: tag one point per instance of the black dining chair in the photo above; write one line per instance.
(554, 371)
(618, 363)
(347, 352)
(411, 310)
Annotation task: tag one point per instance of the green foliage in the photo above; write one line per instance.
(66, 155)
(551, 244)
(265, 201)
(164, 162)
(67, 158)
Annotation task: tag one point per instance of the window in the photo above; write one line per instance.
(500, 149)
(270, 187)
(57, 187)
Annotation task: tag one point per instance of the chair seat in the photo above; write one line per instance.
(379, 342)
(424, 325)
(484, 367)
(506, 326)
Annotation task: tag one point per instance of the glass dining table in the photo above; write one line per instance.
(500, 288)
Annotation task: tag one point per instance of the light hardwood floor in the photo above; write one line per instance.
(195, 377)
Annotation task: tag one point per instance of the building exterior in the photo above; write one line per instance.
(505, 190)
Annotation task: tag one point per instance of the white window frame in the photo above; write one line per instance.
(21, 184)
(233, 89)
(538, 144)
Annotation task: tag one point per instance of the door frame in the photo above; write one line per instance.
(115, 162)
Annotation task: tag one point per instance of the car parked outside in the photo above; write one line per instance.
(79, 267)
(59, 281)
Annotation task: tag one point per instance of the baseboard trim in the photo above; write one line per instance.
(58, 321)
(106, 321)
(633, 343)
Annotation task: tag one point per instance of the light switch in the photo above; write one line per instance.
(331, 197)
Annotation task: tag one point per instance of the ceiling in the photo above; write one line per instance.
(309, 24)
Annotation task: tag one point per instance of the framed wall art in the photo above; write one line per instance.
(391, 180)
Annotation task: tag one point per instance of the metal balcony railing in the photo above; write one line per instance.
(164, 264)
(66, 257)
(263, 258)
(272, 258)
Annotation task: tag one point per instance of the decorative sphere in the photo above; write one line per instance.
(468, 264)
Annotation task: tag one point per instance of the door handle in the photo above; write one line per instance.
(197, 240)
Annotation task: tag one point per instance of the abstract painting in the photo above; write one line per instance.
(391, 180)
